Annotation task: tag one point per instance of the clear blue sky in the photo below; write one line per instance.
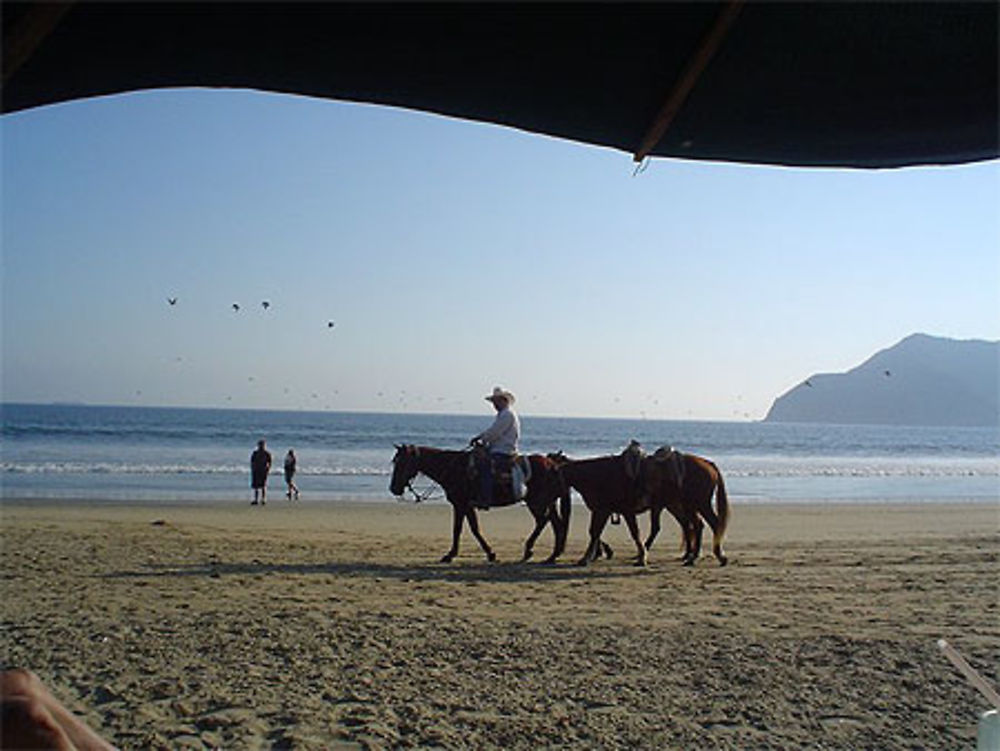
(453, 256)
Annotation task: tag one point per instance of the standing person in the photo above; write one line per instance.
(500, 440)
(290, 465)
(260, 465)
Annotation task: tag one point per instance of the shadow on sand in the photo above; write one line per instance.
(512, 572)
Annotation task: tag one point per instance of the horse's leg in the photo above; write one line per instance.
(693, 528)
(597, 521)
(706, 511)
(633, 529)
(541, 519)
(457, 517)
(684, 522)
(654, 524)
(559, 530)
(689, 522)
(559, 527)
(601, 546)
(474, 527)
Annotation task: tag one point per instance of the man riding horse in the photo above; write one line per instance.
(499, 442)
(539, 483)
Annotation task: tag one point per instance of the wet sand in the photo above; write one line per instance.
(334, 626)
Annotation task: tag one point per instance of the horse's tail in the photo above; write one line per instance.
(565, 501)
(563, 487)
(721, 503)
(722, 512)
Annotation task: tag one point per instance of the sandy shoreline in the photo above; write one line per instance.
(292, 626)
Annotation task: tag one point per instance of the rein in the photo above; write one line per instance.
(417, 496)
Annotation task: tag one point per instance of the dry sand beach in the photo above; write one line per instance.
(333, 626)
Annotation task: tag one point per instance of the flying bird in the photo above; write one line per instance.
(172, 300)
(809, 383)
(887, 374)
(236, 306)
(329, 324)
(266, 304)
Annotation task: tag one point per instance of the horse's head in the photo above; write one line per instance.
(404, 468)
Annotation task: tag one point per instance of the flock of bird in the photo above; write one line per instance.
(265, 304)
(236, 308)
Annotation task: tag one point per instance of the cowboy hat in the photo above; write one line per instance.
(499, 393)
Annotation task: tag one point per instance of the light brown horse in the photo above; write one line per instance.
(684, 484)
(547, 498)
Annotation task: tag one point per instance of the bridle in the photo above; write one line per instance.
(418, 497)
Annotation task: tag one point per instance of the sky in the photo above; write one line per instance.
(453, 256)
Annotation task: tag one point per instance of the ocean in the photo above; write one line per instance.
(156, 455)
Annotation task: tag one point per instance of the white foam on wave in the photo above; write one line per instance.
(734, 468)
(857, 467)
(111, 468)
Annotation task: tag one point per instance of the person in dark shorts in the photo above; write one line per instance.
(291, 464)
(260, 465)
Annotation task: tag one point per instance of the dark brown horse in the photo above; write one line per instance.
(450, 470)
(609, 485)
(684, 484)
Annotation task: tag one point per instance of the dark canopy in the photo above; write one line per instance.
(874, 84)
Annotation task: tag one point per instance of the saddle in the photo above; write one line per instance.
(674, 461)
(510, 474)
(632, 458)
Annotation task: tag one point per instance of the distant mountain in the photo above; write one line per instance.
(922, 380)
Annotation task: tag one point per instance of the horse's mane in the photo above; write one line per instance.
(444, 466)
(437, 453)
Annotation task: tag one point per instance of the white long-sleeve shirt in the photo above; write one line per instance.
(502, 436)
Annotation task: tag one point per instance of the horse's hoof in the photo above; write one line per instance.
(491, 556)
(528, 555)
(688, 562)
(446, 558)
(723, 561)
(583, 562)
(549, 562)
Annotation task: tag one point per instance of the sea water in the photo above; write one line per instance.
(988, 735)
(170, 454)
